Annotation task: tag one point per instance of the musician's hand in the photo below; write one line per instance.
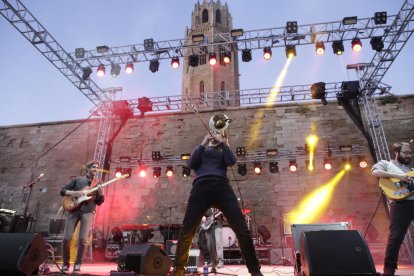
(203, 219)
(404, 177)
(206, 140)
(100, 190)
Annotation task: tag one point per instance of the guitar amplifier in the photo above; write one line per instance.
(112, 251)
(57, 247)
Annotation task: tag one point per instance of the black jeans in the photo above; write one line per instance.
(401, 215)
(217, 192)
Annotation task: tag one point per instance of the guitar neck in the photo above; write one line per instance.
(102, 185)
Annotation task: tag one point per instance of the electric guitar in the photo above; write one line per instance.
(209, 221)
(72, 202)
(397, 189)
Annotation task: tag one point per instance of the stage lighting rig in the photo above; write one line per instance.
(242, 169)
(154, 65)
(320, 48)
(246, 55)
(290, 51)
(338, 47)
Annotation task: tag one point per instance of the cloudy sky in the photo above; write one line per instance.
(32, 90)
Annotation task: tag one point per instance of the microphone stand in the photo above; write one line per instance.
(30, 185)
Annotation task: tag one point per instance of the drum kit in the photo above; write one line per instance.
(228, 235)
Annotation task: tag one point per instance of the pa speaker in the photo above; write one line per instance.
(333, 252)
(21, 253)
(146, 259)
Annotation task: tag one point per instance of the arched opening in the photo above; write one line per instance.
(204, 16)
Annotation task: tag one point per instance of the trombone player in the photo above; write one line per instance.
(211, 187)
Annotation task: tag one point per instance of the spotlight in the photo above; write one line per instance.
(377, 44)
(102, 49)
(356, 44)
(310, 166)
(175, 62)
(240, 151)
(193, 60)
(127, 171)
(118, 172)
(101, 70)
(292, 27)
(241, 169)
(86, 72)
(143, 171)
(115, 70)
(154, 65)
(129, 68)
(186, 171)
(80, 52)
(156, 156)
(318, 92)
(144, 105)
(380, 18)
(169, 171)
(293, 166)
(320, 48)
(327, 164)
(197, 38)
(347, 166)
(345, 148)
(124, 159)
(257, 167)
(226, 57)
(236, 32)
(290, 51)
(212, 58)
(149, 44)
(185, 156)
(274, 167)
(363, 164)
(351, 20)
(338, 47)
(267, 53)
(156, 172)
(272, 152)
(246, 55)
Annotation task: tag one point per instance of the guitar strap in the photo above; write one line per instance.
(95, 182)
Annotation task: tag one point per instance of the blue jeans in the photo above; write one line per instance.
(86, 221)
(401, 215)
(214, 192)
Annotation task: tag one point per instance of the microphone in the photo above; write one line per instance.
(40, 176)
(33, 182)
(149, 218)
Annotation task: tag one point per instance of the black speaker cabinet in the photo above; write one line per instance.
(21, 253)
(335, 252)
(146, 259)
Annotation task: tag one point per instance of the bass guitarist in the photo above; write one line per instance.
(84, 214)
(212, 229)
(401, 211)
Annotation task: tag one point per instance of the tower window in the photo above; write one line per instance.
(203, 51)
(204, 16)
(218, 16)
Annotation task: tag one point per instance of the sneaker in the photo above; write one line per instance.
(76, 268)
(65, 268)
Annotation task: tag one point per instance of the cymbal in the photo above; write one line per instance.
(246, 211)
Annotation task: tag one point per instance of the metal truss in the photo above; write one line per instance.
(23, 20)
(223, 42)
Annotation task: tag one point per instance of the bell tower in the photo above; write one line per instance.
(199, 77)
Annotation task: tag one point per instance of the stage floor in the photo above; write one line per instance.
(104, 268)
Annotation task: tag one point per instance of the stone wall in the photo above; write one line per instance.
(270, 196)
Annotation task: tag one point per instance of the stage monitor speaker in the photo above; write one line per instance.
(333, 252)
(21, 253)
(171, 247)
(146, 259)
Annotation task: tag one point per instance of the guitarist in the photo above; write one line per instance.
(212, 228)
(84, 214)
(401, 212)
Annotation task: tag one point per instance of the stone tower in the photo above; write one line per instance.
(208, 18)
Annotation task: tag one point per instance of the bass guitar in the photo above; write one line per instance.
(72, 202)
(209, 221)
(397, 189)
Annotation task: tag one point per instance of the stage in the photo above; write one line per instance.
(104, 268)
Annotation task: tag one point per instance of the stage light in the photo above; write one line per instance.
(149, 44)
(80, 52)
(351, 20)
(86, 72)
(345, 148)
(272, 152)
(274, 167)
(356, 44)
(122, 109)
(186, 171)
(143, 171)
(124, 159)
(363, 164)
(380, 18)
(156, 156)
(156, 172)
(144, 105)
(240, 151)
(347, 166)
(292, 27)
(127, 171)
(236, 32)
(115, 70)
(293, 166)
(175, 62)
(118, 172)
(197, 38)
(193, 60)
(154, 65)
(338, 47)
(169, 171)
(376, 43)
(318, 91)
(257, 167)
(101, 70)
(185, 156)
(267, 53)
(310, 166)
(129, 68)
(320, 48)
(226, 57)
(102, 49)
(290, 51)
(212, 59)
(246, 55)
(242, 169)
(327, 164)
